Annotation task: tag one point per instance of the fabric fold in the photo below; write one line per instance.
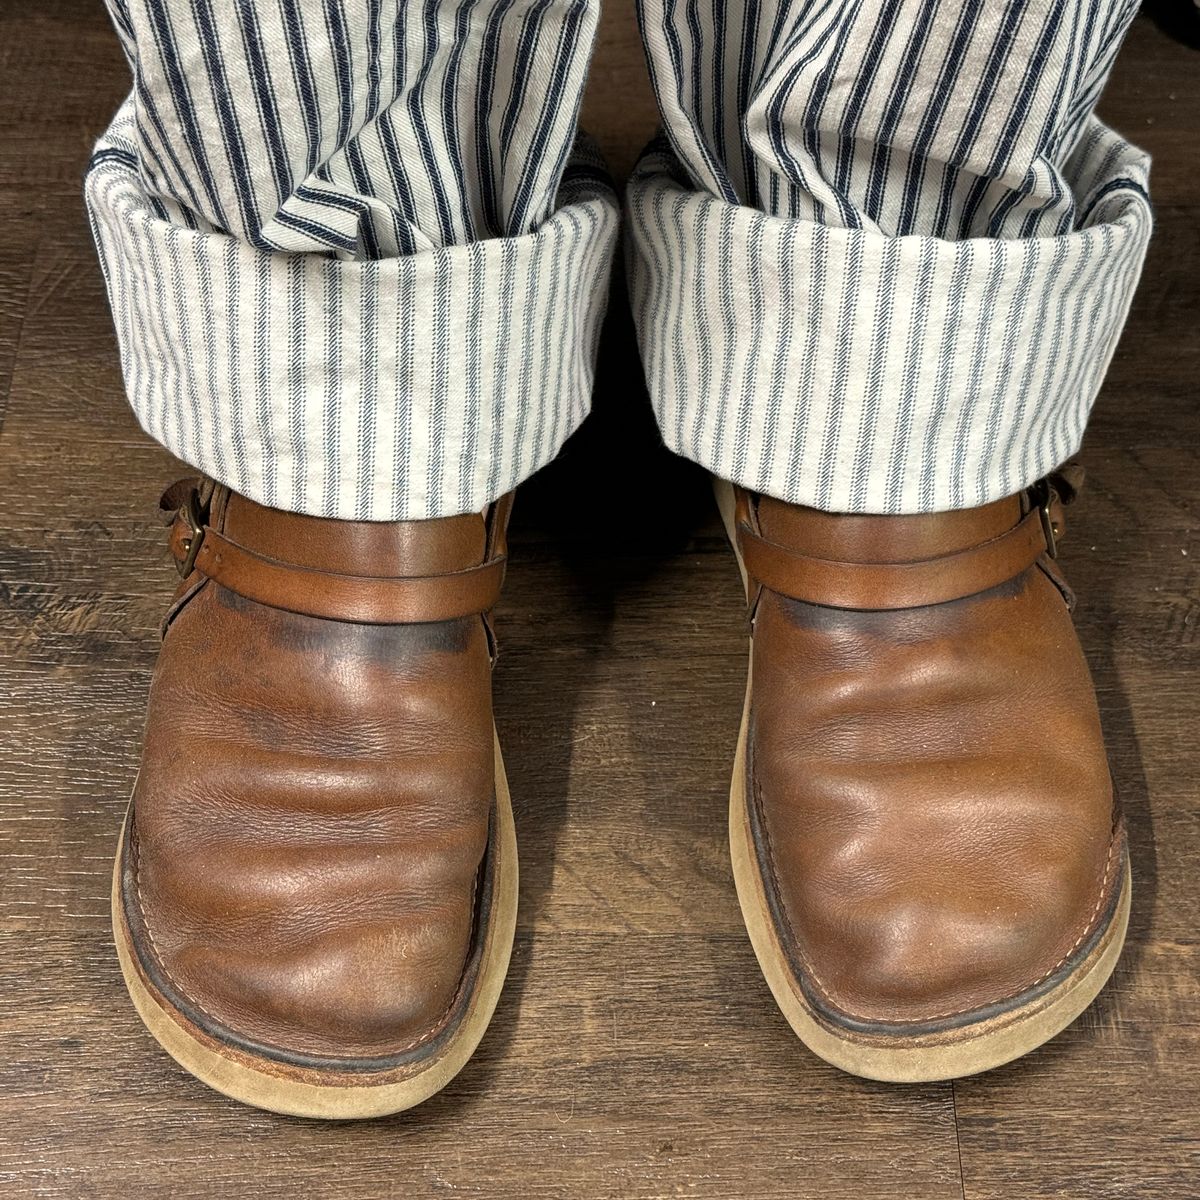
(856, 372)
(402, 388)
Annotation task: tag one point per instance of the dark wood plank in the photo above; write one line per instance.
(618, 107)
(16, 269)
(62, 74)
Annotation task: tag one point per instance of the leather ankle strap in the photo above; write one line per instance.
(363, 599)
(203, 550)
(879, 586)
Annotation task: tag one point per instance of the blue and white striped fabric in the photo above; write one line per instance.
(358, 260)
(883, 256)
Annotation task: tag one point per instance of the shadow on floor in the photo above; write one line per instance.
(1178, 19)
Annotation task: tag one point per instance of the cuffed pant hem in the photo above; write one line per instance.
(398, 389)
(856, 372)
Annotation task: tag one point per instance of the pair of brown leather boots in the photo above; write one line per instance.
(315, 891)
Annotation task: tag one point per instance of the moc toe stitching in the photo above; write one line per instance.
(226, 1030)
(840, 1013)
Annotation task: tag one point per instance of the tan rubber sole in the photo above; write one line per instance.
(949, 1054)
(307, 1092)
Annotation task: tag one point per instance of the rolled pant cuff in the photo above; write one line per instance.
(856, 372)
(398, 389)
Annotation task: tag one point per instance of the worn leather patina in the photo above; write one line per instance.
(930, 797)
(308, 838)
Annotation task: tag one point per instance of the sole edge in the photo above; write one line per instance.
(233, 1074)
(995, 1042)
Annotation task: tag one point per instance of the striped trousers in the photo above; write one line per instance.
(358, 253)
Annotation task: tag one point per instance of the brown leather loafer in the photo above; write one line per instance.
(315, 890)
(928, 854)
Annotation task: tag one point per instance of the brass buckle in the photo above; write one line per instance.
(195, 511)
(1043, 494)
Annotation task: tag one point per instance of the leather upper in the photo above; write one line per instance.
(312, 814)
(931, 797)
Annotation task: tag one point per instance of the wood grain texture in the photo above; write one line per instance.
(637, 1052)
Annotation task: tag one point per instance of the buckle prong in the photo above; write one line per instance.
(195, 511)
(1050, 531)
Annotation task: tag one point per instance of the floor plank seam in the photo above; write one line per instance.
(962, 1182)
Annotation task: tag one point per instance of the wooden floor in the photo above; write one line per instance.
(637, 1052)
